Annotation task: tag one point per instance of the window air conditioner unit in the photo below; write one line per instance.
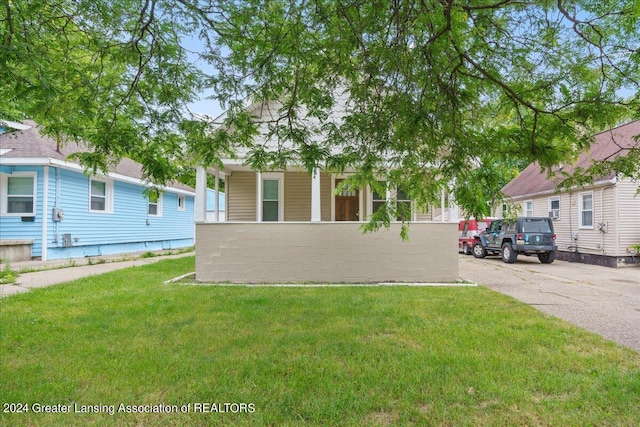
(554, 214)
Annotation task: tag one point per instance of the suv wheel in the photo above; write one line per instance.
(479, 251)
(547, 257)
(465, 249)
(508, 254)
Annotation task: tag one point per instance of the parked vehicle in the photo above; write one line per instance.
(469, 231)
(525, 235)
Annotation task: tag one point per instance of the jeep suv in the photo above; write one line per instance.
(525, 235)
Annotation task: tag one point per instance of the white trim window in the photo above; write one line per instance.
(100, 196)
(397, 196)
(378, 200)
(154, 205)
(554, 207)
(585, 210)
(19, 194)
(181, 202)
(528, 208)
(272, 197)
(403, 205)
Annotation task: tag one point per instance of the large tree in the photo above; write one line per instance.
(430, 92)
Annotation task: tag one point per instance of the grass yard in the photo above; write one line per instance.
(125, 343)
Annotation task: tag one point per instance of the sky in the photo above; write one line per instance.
(209, 107)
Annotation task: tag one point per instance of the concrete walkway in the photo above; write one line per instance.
(599, 299)
(54, 272)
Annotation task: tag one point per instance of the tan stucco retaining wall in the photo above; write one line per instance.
(324, 252)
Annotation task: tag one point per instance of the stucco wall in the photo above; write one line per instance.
(324, 252)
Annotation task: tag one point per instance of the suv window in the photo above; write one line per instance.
(510, 225)
(536, 225)
(495, 226)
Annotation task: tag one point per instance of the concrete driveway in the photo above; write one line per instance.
(600, 299)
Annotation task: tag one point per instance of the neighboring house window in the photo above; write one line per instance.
(155, 204)
(18, 194)
(181, 204)
(378, 200)
(272, 195)
(505, 210)
(554, 207)
(100, 196)
(528, 208)
(585, 210)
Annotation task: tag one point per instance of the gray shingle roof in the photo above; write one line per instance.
(606, 145)
(31, 144)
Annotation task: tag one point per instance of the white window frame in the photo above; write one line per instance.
(108, 196)
(272, 176)
(371, 199)
(525, 210)
(4, 197)
(181, 202)
(551, 200)
(391, 193)
(158, 204)
(411, 205)
(581, 210)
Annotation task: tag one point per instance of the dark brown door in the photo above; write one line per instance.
(347, 204)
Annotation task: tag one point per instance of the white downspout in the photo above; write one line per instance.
(45, 213)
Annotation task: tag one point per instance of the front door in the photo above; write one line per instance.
(347, 204)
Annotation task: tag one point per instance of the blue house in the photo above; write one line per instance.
(48, 203)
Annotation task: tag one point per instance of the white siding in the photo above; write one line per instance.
(589, 240)
(628, 215)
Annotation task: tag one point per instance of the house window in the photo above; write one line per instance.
(528, 208)
(272, 197)
(403, 203)
(155, 204)
(181, 202)
(100, 196)
(18, 196)
(554, 207)
(585, 210)
(378, 200)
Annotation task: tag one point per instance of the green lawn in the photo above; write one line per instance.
(301, 356)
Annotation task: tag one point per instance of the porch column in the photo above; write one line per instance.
(200, 202)
(217, 192)
(442, 205)
(315, 196)
(454, 211)
(259, 196)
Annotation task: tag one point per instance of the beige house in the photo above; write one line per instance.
(597, 224)
(291, 226)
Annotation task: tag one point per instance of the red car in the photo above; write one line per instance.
(468, 232)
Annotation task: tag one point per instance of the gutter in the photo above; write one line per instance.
(47, 161)
(596, 184)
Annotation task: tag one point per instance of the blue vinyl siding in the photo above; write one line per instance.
(12, 227)
(127, 229)
(211, 200)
